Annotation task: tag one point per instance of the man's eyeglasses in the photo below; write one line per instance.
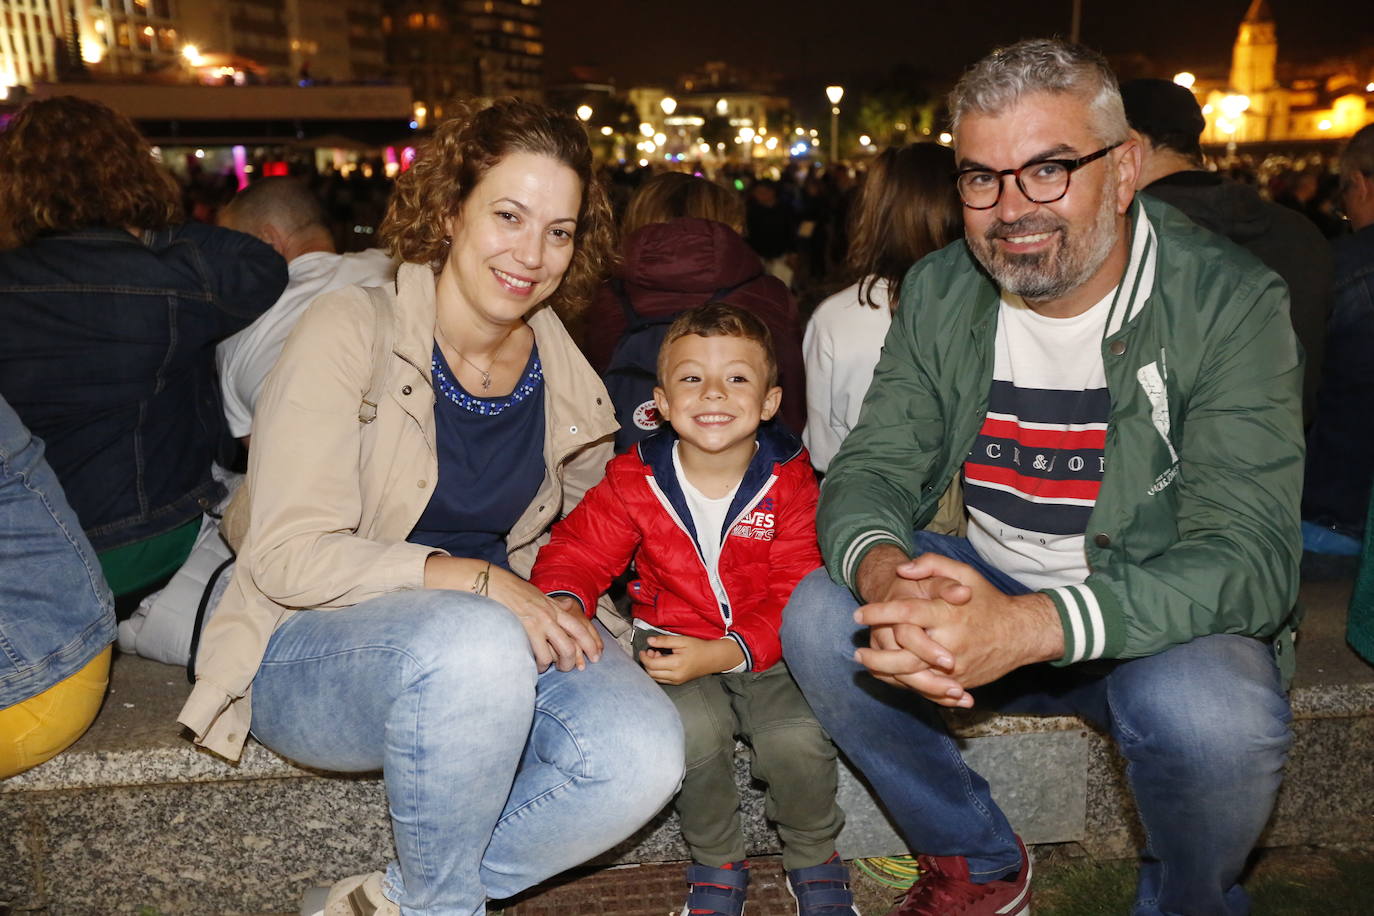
(1043, 181)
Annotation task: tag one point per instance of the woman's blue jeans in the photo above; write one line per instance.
(1203, 726)
(497, 776)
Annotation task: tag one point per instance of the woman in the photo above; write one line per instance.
(682, 245)
(113, 307)
(378, 617)
(906, 209)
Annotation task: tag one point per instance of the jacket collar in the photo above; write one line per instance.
(1138, 280)
(777, 446)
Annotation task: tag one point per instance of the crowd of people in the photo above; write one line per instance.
(1039, 448)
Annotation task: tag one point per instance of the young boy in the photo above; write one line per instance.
(721, 513)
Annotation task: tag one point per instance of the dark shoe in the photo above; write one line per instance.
(822, 890)
(945, 890)
(716, 891)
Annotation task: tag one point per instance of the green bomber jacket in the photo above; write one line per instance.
(1196, 526)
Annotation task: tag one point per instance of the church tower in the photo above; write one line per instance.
(1256, 51)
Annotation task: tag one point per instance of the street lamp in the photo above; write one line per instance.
(668, 104)
(584, 112)
(192, 55)
(834, 94)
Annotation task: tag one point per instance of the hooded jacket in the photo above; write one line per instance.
(1285, 240)
(679, 264)
(1195, 530)
(768, 545)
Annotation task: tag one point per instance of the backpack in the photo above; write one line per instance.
(632, 372)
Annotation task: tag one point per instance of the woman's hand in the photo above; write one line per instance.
(558, 632)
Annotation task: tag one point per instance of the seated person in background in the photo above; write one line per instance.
(1170, 124)
(56, 612)
(719, 516)
(1120, 391)
(285, 214)
(906, 209)
(1340, 444)
(112, 307)
(681, 246)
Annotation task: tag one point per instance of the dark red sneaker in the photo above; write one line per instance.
(945, 890)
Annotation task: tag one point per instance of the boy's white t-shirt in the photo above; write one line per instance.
(708, 515)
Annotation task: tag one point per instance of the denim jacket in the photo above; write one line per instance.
(56, 613)
(108, 356)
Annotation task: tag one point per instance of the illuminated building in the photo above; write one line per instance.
(1255, 106)
(428, 47)
(508, 43)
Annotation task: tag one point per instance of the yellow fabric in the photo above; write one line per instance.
(41, 727)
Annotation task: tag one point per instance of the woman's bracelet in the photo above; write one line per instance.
(483, 580)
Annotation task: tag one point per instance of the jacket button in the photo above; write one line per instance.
(204, 502)
(1102, 540)
(1118, 347)
(405, 389)
(541, 508)
(420, 484)
(598, 402)
(572, 429)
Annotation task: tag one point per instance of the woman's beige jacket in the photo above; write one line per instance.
(332, 500)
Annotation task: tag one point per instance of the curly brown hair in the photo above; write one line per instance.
(720, 319)
(68, 163)
(467, 146)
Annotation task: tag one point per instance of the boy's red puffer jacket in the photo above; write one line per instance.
(639, 506)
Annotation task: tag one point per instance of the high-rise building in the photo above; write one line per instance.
(428, 48)
(336, 40)
(508, 42)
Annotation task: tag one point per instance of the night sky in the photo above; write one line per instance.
(812, 43)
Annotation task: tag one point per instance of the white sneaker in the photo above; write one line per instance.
(359, 895)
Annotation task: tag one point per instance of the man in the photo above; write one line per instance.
(283, 213)
(1170, 124)
(1340, 462)
(1119, 391)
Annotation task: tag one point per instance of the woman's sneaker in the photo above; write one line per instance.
(716, 891)
(945, 889)
(822, 890)
(360, 895)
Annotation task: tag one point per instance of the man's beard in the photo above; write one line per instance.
(1048, 275)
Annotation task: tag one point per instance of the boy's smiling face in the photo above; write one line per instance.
(715, 393)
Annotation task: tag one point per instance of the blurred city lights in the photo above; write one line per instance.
(1233, 105)
(772, 143)
(646, 128)
(1369, 87)
(584, 112)
(192, 55)
(946, 137)
(1185, 79)
(92, 52)
(834, 94)
(1206, 109)
(606, 131)
(865, 139)
(722, 107)
(668, 104)
(200, 154)
(660, 138)
(1324, 124)
(643, 163)
(746, 134)
(4, 92)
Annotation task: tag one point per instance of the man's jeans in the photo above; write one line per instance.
(1203, 727)
(497, 776)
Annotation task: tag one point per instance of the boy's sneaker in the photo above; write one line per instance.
(945, 890)
(822, 890)
(716, 891)
(360, 895)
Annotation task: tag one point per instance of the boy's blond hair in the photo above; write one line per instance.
(720, 319)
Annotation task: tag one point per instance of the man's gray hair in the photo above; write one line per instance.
(1359, 152)
(998, 81)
